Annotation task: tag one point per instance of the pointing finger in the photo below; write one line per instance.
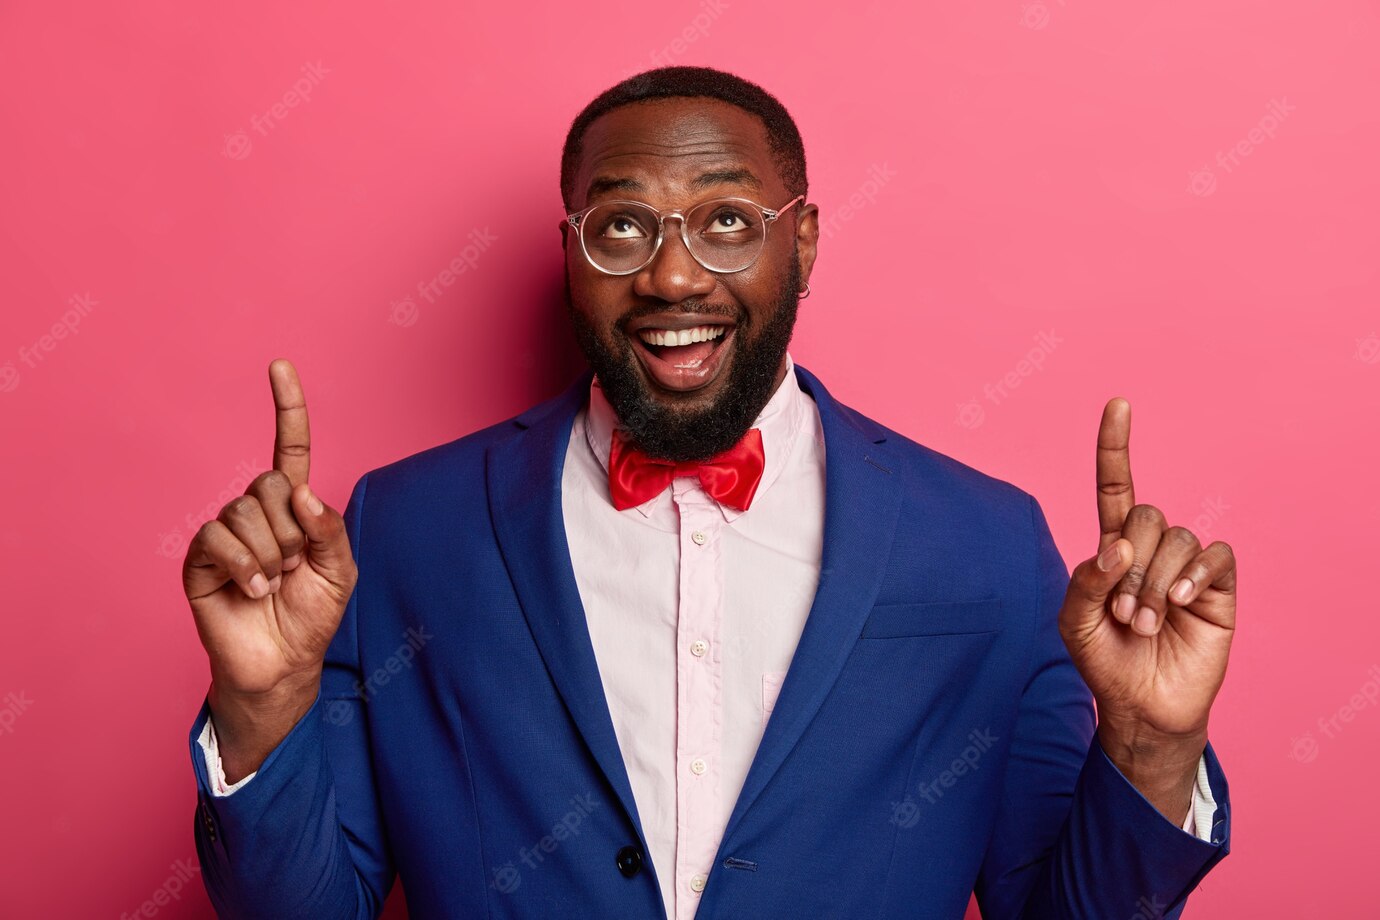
(292, 443)
(1116, 495)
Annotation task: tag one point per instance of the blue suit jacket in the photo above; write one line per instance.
(931, 737)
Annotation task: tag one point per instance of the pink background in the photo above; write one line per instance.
(1114, 178)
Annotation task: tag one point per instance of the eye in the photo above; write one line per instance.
(620, 226)
(728, 220)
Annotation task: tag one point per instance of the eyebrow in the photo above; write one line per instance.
(736, 176)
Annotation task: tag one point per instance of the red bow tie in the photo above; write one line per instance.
(730, 477)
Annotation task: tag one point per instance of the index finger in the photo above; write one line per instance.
(1116, 495)
(292, 443)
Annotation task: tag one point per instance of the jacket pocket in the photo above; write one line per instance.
(934, 618)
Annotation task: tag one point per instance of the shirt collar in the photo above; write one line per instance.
(780, 422)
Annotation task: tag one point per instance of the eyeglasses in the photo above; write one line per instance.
(724, 234)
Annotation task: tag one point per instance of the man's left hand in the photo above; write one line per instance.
(1149, 621)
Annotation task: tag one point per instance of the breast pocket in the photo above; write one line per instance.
(934, 618)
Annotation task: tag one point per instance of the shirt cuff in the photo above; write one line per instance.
(1200, 809)
(216, 771)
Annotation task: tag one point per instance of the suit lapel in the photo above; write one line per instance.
(861, 505)
(524, 482)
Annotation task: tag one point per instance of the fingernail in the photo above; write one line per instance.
(275, 584)
(1145, 622)
(292, 562)
(1183, 589)
(258, 586)
(313, 503)
(1125, 606)
(1109, 558)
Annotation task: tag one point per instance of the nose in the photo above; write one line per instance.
(673, 274)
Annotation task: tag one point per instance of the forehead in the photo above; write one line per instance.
(668, 151)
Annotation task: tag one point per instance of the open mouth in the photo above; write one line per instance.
(682, 359)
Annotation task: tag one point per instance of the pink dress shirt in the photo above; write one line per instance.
(694, 610)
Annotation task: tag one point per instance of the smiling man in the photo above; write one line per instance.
(694, 639)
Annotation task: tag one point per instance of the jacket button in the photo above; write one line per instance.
(629, 861)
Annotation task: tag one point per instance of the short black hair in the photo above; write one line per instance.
(783, 138)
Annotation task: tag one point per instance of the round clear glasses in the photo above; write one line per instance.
(723, 234)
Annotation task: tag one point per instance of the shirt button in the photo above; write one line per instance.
(698, 648)
(697, 883)
(699, 537)
(698, 766)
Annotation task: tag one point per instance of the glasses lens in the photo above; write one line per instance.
(725, 234)
(619, 236)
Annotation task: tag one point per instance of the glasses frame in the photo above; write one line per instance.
(768, 217)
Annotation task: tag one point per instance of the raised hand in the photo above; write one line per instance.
(1148, 620)
(268, 581)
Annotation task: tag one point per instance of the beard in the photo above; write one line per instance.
(677, 433)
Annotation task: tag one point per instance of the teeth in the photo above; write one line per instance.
(680, 336)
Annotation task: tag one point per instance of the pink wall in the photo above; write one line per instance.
(1173, 201)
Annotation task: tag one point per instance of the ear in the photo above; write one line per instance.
(807, 239)
(562, 227)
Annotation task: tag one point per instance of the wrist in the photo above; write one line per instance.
(250, 725)
(1162, 767)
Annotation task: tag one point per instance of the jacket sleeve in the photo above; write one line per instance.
(305, 838)
(1073, 837)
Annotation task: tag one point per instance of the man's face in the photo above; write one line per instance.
(687, 402)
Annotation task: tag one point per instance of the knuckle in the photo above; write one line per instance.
(1134, 577)
(1224, 549)
(239, 508)
(1146, 514)
(270, 482)
(1181, 536)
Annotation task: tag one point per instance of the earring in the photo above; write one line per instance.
(805, 293)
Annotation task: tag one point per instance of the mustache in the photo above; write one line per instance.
(687, 306)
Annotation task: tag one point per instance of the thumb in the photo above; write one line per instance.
(1093, 580)
(328, 544)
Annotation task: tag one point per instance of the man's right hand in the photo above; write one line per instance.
(268, 581)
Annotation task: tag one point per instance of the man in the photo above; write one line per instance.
(693, 639)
